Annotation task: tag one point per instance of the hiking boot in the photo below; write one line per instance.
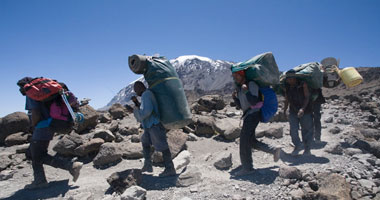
(244, 171)
(277, 154)
(296, 150)
(307, 152)
(168, 172)
(75, 170)
(147, 167)
(36, 185)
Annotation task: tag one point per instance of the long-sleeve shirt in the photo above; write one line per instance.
(147, 114)
(247, 99)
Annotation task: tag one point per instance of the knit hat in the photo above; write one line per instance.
(241, 72)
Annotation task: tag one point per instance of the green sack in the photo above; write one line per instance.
(262, 69)
(163, 81)
(309, 72)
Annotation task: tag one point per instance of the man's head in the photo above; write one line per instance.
(139, 87)
(290, 78)
(22, 82)
(239, 77)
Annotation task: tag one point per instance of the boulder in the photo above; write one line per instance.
(17, 138)
(290, 173)
(370, 133)
(205, 126)
(212, 102)
(5, 161)
(134, 193)
(66, 146)
(114, 126)
(223, 161)
(333, 185)
(90, 118)
(182, 160)
(131, 150)
(274, 131)
(370, 146)
(228, 127)
(13, 123)
(89, 147)
(329, 120)
(177, 142)
(108, 153)
(335, 130)
(191, 176)
(335, 149)
(104, 118)
(120, 181)
(117, 111)
(106, 135)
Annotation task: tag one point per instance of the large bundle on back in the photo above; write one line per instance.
(262, 69)
(310, 73)
(163, 81)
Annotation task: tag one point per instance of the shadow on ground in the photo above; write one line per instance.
(55, 189)
(302, 159)
(260, 176)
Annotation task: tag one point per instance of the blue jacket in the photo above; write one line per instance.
(147, 114)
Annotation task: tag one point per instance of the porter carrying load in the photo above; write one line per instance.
(163, 81)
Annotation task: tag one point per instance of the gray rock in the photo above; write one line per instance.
(114, 126)
(212, 102)
(17, 138)
(135, 138)
(335, 130)
(333, 185)
(352, 151)
(120, 181)
(134, 193)
(192, 137)
(104, 118)
(370, 133)
(177, 142)
(223, 161)
(90, 118)
(13, 123)
(296, 194)
(89, 147)
(66, 146)
(274, 132)
(367, 183)
(344, 121)
(290, 173)
(131, 150)
(205, 126)
(6, 174)
(5, 161)
(228, 127)
(335, 149)
(329, 120)
(108, 153)
(191, 176)
(118, 111)
(106, 135)
(182, 160)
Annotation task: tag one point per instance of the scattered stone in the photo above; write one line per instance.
(296, 194)
(13, 123)
(334, 185)
(90, 118)
(182, 160)
(6, 174)
(134, 193)
(352, 151)
(192, 137)
(228, 127)
(120, 181)
(114, 126)
(106, 135)
(117, 111)
(335, 149)
(367, 183)
(223, 161)
(370, 133)
(108, 153)
(290, 173)
(105, 118)
(135, 138)
(17, 138)
(335, 130)
(329, 120)
(131, 150)
(212, 102)
(191, 176)
(89, 147)
(205, 126)
(274, 132)
(67, 145)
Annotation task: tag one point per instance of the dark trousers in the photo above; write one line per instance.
(317, 121)
(248, 140)
(40, 156)
(307, 129)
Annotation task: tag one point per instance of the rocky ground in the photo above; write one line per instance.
(345, 165)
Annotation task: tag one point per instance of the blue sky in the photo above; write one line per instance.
(86, 43)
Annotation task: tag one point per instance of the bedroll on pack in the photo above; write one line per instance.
(42, 89)
(163, 81)
(309, 72)
(262, 69)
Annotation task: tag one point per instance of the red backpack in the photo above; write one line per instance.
(42, 89)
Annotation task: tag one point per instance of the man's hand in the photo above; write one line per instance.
(135, 101)
(300, 113)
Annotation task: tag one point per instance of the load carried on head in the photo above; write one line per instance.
(264, 71)
(163, 81)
